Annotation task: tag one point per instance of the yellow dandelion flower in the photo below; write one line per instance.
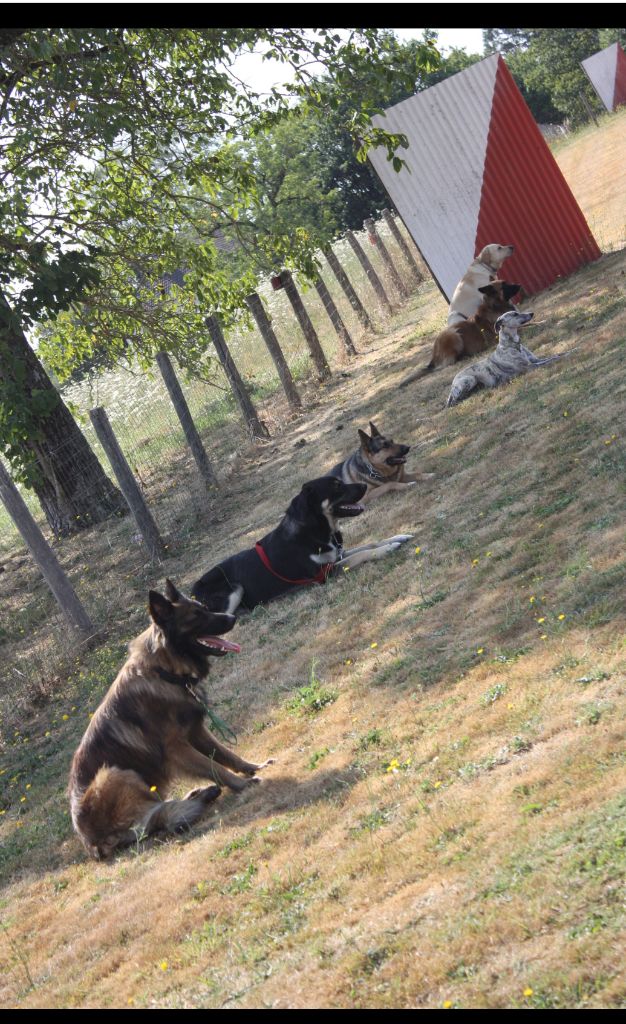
(447, 1005)
(346, 568)
(544, 636)
(373, 645)
(393, 765)
(561, 617)
(475, 561)
(19, 824)
(481, 650)
(153, 789)
(28, 785)
(65, 717)
(510, 706)
(566, 413)
(531, 600)
(542, 619)
(437, 784)
(22, 799)
(528, 992)
(348, 661)
(47, 733)
(163, 965)
(417, 551)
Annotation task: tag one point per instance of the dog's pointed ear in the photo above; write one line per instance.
(171, 592)
(375, 430)
(510, 290)
(161, 610)
(488, 289)
(365, 440)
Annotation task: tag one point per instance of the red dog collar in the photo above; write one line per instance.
(320, 577)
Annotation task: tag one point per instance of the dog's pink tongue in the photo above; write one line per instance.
(219, 643)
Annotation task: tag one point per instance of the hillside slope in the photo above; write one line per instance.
(444, 824)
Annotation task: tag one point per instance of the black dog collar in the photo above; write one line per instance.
(171, 677)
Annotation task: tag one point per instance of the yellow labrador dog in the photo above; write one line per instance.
(481, 271)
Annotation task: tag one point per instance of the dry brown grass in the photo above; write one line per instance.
(487, 869)
(594, 164)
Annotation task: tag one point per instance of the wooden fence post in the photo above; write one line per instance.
(310, 334)
(44, 556)
(258, 312)
(182, 411)
(372, 276)
(334, 315)
(349, 291)
(408, 255)
(370, 227)
(255, 426)
(141, 514)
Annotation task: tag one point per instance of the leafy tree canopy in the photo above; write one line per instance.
(116, 167)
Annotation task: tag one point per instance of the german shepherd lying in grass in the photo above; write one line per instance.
(379, 464)
(472, 336)
(149, 729)
(304, 548)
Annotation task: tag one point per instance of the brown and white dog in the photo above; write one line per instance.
(484, 269)
(471, 336)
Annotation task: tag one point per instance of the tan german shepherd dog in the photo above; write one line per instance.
(379, 464)
(149, 729)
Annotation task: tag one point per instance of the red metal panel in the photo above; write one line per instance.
(525, 199)
(619, 96)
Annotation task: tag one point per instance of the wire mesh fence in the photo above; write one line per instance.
(108, 564)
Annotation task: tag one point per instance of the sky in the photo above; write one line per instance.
(262, 75)
(468, 39)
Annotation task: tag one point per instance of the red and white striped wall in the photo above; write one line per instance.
(606, 70)
(479, 171)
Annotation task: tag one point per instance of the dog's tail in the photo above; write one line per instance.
(425, 370)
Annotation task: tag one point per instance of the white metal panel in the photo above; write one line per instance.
(439, 196)
(601, 69)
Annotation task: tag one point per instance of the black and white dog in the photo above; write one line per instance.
(304, 548)
(509, 360)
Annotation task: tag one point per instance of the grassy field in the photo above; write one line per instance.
(445, 823)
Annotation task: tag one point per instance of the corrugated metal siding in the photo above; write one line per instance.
(601, 70)
(526, 197)
(480, 173)
(438, 198)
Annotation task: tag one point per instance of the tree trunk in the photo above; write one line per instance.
(43, 439)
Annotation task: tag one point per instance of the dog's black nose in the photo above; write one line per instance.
(405, 449)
